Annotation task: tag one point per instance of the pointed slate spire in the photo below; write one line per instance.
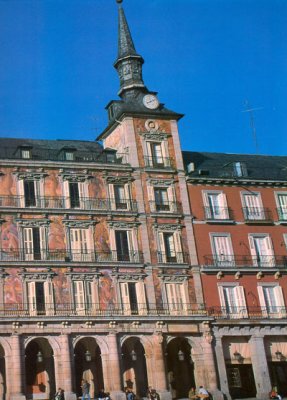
(129, 63)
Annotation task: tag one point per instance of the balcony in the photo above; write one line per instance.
(172, 257)
(41, 154)
(158, 163)
(257, 215)
(164, 207)
(231, 261)
(98, 310)
(254, 312)
(81, 203)
(218, 214)
(282, 214)
(25, 255)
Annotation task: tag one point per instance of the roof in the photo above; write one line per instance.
(226, 166)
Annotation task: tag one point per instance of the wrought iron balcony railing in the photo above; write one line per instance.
(164, 206)
(257, 214)
(56, 155)
(254, 312)
(84, 203)
(217, 213)
(158, 162)
(231, 261)
(99, 310)
(9, 255)
(172, 257)
(282, 213)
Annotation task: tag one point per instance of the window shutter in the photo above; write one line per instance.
(125, 298)
(82, 194)
(66, 190)
(42, 231)
(171, 297)
(32, 298)
(79, 296)
(178, 248)
(112, 201)
(162, 252)
(49, 298)
(262, 300)
(240, 296)
(28, 244)
(20, 186)
(141, 298)
(95, 295)
(151, 197)
(183, 295)
(280, 300)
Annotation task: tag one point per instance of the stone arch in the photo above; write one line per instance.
(3, 368)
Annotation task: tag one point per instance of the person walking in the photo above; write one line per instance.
(202, 393)
(59, 394)
(85, 390)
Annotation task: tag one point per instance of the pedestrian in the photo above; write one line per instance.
(130, 394)
(154, 395)
(85, 390)
(202, 393)
(192, 394)
(102, 395)
(59, 394)
(274, 394)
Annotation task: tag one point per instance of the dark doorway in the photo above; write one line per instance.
(241, 381)
(278, 376)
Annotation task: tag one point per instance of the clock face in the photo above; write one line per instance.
(151, 101)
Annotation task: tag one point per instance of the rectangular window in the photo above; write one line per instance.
(34, 243)
(215, 206)
(30, 193)
(261, 250)
(80, 244)
(232, 300)
(121, 202)
(176, 297)
(271, 300)
(133, 298)
(122, 246)
(253, 209)
(156, 154)
(75, 194)
(40, 298)
(170, 247)
(161, 199)
(240, 169)
(222, 250)
(26, 153)
(69, 156)
(282, 206)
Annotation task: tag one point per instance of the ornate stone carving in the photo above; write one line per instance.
(33, 222)
(41, 276)
(160, 182)
(123, 224)
(35, 176)
(156, 135)
(168, 227)
(79, 223)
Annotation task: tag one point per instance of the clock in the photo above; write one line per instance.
(150, 101)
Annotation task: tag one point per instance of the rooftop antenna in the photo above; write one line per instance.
(251, 110)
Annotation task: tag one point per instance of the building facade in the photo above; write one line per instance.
(121, 262)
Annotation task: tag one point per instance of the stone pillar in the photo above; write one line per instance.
(209, 364)
(196, 275)
(66, 368)
(16, 370)
(221, 367)
(260, 367)
(159, 378)
(114, 371)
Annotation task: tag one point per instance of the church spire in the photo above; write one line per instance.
(128, 63)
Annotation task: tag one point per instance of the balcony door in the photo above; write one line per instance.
(123, 245)
(261, 251)
(133, 298)
(80, 244)
(222, 249)
(272, 300)
(253, 206)
(40, 298)
(282, 203)
(176, 298)
(34, 243)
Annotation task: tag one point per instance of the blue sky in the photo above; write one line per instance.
(204, 57)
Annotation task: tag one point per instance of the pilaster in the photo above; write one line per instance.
(16, 369)
(260, 367)
(66, 368)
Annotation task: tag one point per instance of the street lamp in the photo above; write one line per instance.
(88, 356)
(134, 355)
(180, 355)
(237, 356)
(278, 355)
(39, 357)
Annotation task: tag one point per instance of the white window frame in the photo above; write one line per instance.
(260, 259)
(112, 196)
(222, 258)
(83, 193)
(39, 192)
(239, 310)
(255, 211)
(277, 310)
(140, 296)
(282, 208)
(215, 212)
(49, 301)
(28, 245)
(176, 235)
(164, 152)
(81, 244)
(132, 243)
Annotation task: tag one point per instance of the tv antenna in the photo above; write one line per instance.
(251, 110)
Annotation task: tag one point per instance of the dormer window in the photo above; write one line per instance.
(26, 152)
(240, 169)
(69, 155)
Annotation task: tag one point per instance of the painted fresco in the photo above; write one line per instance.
(157, 288)
(61, 289)
(97, 188)
(13, 290)
(9, 239)
(7, 183)
(102, 242)
(52, 185)
(56, 236)
(107, 292)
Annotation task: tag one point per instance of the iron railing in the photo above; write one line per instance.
(217, 213)
(62, 155)
(160, 162)
(84, 203)
(256, 214)
(164, 206)
(98, 309)
(228, 261)
(253, 312)
(172, 257)
(22, 254)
